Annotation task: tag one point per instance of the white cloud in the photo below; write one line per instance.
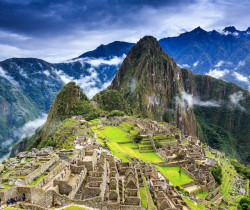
(96, 62)
(87, 83)
(240, 77)
(235, 98)
(7, 143)
(29, 128)
(6, 76)
(47, 73)
(113, 61)
(240, 64)
(195, 63)
(190, 100)
(219, 64)
(184, 65)
(217, 73)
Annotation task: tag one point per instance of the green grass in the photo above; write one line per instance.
(201, 194)
(144, 201)
(6, 186)
(74, 208)
(172, 173)
(28, 159)
(192, 205)
(34, 182)
(115, 134)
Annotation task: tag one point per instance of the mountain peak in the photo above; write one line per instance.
(146, 40)
(116, 48)
(198, 29)
(230, 29)
(145, 43)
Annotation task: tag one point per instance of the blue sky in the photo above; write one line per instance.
(57, 30)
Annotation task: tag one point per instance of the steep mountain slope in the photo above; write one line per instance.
(109, 100)
(69, 101)
(16, 108)
(221, 56)
(153, 84)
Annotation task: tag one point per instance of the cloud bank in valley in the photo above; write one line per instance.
(91, 84)
(187, 99)
(29, 128)
(235, 99)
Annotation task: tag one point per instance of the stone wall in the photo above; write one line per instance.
(188, 173)
(78, 183)
(77, 169)
(52, 174)
(40, 170)
(64, 187)
(188, 185)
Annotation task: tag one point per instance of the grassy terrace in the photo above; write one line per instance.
(34, 182)
(74, 208)
(144, 202)
(172, 173)
(115, 136)
(192, 205)
(228, 174)
(201, 194)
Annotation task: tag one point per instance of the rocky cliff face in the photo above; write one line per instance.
(150, 81)
(153, 84)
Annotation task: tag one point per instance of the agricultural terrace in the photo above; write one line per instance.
(228, 173)
(121, 145)
(172, 173)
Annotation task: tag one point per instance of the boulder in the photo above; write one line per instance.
(35, 151)
(23, 160)
(19, 182)
(11, 183)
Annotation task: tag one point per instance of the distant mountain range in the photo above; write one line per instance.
(29, 85)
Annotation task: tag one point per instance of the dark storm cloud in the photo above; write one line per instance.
(56, 30)
(55, 16)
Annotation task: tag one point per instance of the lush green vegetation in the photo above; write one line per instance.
(115, 136)
(115, 113)
(176, 178)
(34, 182)
(244, 204)
(201, 194)
(137, 138)
(217, 174)
(74, 208)
(112, 100)
(241, 169)
(168, 116)
(192, 205)
(225, 129)
(144, 202)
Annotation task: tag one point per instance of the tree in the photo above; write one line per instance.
(217, 174)
(137, 138)
(167, 116)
